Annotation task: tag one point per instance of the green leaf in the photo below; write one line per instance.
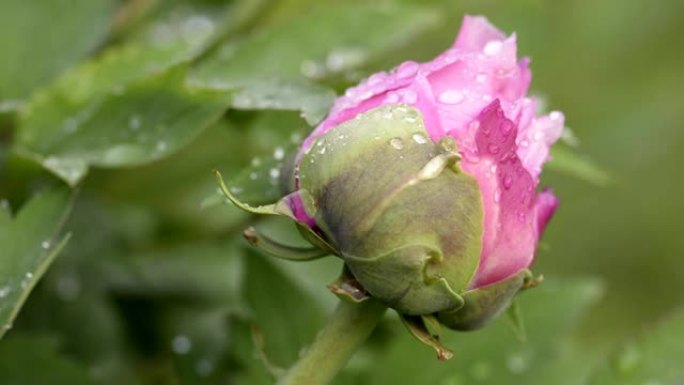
(146, 121)
(35, 360)
(40, 38)
(286, 315)
(274, 67)
(29, 243)
(653, 358)
(568, 162)
(493, 355)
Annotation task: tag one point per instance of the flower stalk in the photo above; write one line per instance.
(347, 329)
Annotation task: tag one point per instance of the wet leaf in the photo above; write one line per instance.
(146, 121)
(41, 38)
(29, 243)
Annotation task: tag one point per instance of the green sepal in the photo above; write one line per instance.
(278, 249)
(402, 280)
(416, 325)
(484, 304)
(398, 208)
(278, 208)
(516, 321)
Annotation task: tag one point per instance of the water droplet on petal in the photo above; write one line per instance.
(555, 115)
(407, 69)
(493, 47)
(397, 143)
(410, 97)
(481, 78)
(507, 181)
(497, 196)
(451, 97)
(493, 149)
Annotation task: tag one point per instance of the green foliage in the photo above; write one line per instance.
(653, 358)
(30, 242)
(133, 103)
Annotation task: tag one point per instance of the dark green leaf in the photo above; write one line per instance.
(146, 121)
(29, 243)
(40, 38)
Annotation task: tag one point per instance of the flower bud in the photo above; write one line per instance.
(423, 180)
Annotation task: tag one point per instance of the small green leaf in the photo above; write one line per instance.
(568, 162)
(147, 121)
(654, 358)
(29, 243)
(41, 38)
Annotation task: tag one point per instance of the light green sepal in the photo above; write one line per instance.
(484, 304)
(281, 250)
(416, 325)
(401, 280)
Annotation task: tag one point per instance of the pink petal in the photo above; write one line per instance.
(510, 235)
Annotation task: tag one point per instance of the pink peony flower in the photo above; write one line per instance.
(475, 92)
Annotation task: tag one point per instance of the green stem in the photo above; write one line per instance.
(348, 328)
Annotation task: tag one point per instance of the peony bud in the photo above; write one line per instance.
(423, 179)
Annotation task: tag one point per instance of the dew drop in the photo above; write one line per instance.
(497, 196)
(451, 97)
(397, 143)
(181, 344)
(410, 96)
(493, 149)
(418, 138)
(278, 153)
(492, 47)
(4, 291)
(322, 150)
(256, 162)
(407, 69)
(45, 244)
(507, 181)
(274, 173)
(252, 175)
(555, 115)
(481, 78)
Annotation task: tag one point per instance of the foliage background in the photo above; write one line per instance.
(113, 114)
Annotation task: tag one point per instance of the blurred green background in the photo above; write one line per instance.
(113, 113)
